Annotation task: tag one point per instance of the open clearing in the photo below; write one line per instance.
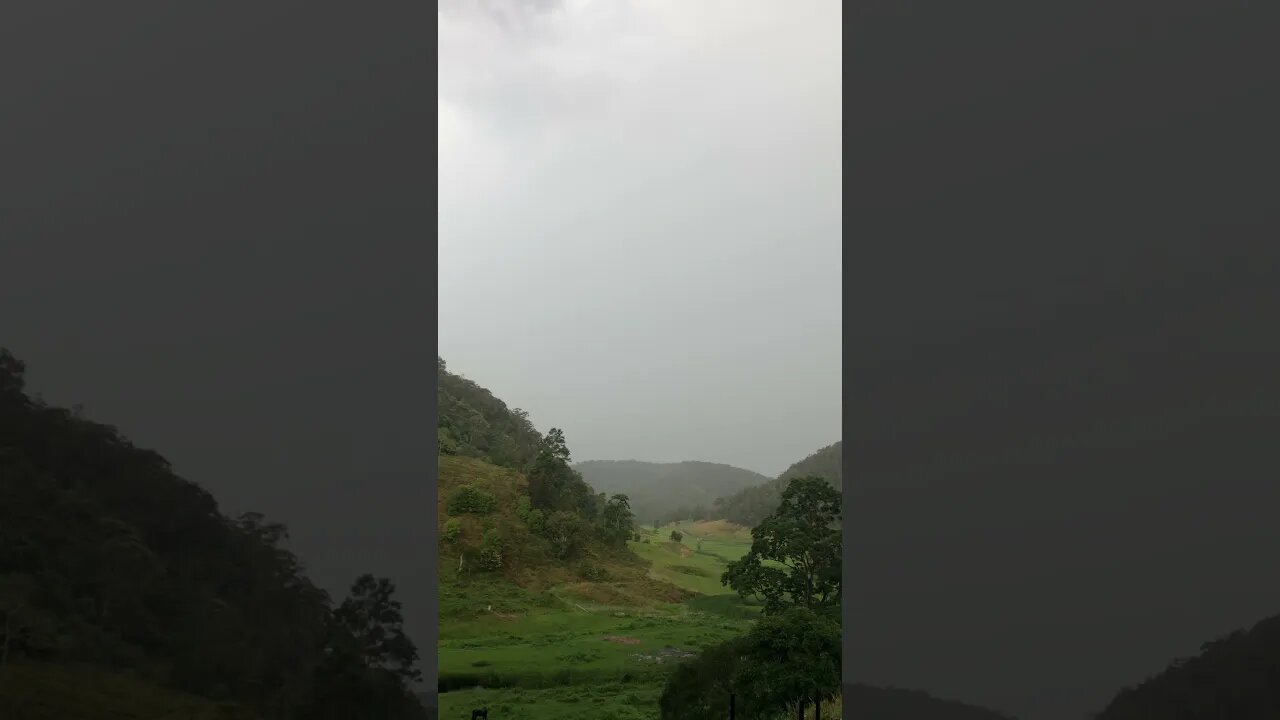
(558, 655)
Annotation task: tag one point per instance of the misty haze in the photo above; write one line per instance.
(640, 359)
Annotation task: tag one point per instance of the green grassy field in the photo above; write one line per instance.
(565, 654)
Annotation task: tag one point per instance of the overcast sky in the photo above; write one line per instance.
(640, 222)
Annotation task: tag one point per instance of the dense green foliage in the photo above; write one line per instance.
(826, 463)
(701, 686)
(560, 510)
(470, 500)
(752, 505)
(791, 657)
(795, 553)
(452, 530)
(474, 423)
(110, 560)
(663, 492)
(555, 486)
(1237, 676)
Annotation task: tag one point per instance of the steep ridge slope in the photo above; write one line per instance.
(1237, 676)
(472, 422)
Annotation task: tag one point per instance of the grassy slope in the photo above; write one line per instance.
(556, 645)
(548, 649)
(33, 691)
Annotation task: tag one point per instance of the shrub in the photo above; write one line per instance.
(677, 535)
(491, 550)
(452, 529)
(445, 444)
(537, 521)
(470, 499)
(534, 518)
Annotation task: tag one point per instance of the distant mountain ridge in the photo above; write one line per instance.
(751, 505)
(667, 491)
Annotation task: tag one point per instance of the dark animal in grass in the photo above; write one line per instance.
(481, 713)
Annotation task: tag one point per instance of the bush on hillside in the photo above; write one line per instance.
(445, 442)
(592, 572)
(471, 500)
(565, 530)
(452, 529)
(677, 536)
(534, 518)
(491, 550)
(537, 522)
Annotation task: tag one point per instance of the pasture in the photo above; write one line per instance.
(559, 654)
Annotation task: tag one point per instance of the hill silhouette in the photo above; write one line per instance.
(751, 505)
(668, 491)
(125, 592)
(1237, 676)
(896, 704)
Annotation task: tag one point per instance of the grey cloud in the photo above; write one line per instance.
(640, 230)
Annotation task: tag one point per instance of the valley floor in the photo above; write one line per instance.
(574, 652)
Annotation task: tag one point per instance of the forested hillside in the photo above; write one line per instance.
(125, 592)
(474, 423)
(510, 505)
(663, 492)
(751, 505)
(499, 551)
(1237, 676)
(825, 463)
